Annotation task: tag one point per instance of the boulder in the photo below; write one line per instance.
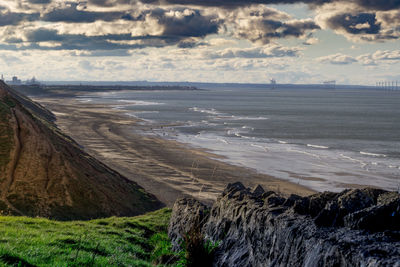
(286, 232)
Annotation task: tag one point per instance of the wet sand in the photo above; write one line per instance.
(165, 168)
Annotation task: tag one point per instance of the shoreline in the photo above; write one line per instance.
(166, 168)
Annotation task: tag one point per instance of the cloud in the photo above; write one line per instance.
(272, 51)
(186, 23)
(337, 59)
(358, 22)
(379, 57)
(11, 18)
(367, 4)
(71, 13)
(102, 53)
(260, 24)
(147, 28)
(87, 65)
(361, 23)
(265, 30)
(39, 1)
(311, 41)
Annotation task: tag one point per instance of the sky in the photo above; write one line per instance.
(238, 41)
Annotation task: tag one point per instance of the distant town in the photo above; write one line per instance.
(15, 81)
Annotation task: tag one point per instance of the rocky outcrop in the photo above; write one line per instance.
(45, 173)
(359, 227)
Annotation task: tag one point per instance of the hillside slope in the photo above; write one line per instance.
(127, 241)
(44, 172)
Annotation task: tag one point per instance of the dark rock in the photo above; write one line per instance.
(258, 191)
(346, 203)
(384, 216)
(188, 213)
(301, 206)
(291, 200)
(274, 200)
(387, 198)
(231, 189)
(328, 216)
(267, 194)
(318, 202)
(276, 234)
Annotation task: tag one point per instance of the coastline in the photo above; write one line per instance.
(163, 167)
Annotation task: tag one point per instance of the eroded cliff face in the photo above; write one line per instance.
(257, 228)
(44, 173)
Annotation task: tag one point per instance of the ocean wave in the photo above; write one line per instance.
(259, 146)
(85, 100)
(139, 102)
(317, 146)
(244, 118)
(248, 127)
(304, 152)
(362, 163)
(237, 118)
(223, 140)
(211, 111)
(373, 154)
(282, 142)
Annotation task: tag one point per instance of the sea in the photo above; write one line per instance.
(322, 138)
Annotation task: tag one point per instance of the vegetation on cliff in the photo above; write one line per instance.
(124, 241)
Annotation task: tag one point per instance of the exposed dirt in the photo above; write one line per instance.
(48, 175)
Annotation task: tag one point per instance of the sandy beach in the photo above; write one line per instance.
(165, 168)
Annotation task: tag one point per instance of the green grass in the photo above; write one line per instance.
(136, 241)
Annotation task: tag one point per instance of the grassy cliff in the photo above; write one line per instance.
(124, 241)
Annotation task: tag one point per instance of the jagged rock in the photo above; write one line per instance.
(231, 189)
(387, 198)
(291, 200)
(258, 191)
(274, 200)
(384, 216)
(250, 234)
(189, 213)
(318, 201)
(347, 202)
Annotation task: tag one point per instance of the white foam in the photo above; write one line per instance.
(258, 146)
(140, 103)
(243, 118)
(362, 163)
(223, 140)
(211, 111)
(84, 100)
(317, 146)
(304, 152)
(373, 154)
(282, 142)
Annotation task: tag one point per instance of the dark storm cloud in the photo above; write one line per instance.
(76, 41)
(33, 40)
(11, 18)
(72, 14)
(39, 1)
(369, 4)
(362, 23)
(265, 30)
(379, 4)
(190, 25)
